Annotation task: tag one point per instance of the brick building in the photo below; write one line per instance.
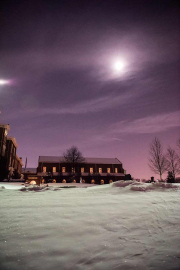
(29, 171)
(91, 170)
(8, 157)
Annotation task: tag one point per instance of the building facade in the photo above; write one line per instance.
(9, 161)
(29, 171)
(3, 162)
(3, 137)
(92, 170)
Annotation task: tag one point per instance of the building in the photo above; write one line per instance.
(9, 161)
(95, 170)
(3, 137)
(29, 171)
(17, 167)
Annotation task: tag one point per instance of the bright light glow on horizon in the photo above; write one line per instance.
(3, 82)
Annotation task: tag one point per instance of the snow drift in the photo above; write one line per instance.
(102, 227)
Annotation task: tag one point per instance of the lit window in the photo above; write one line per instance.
(82, 170)
(63, 169)
(44, 169)
(91, 170)
(108, 170)
(116, 170)
(100, 170)
(73, 170)
(54, 169)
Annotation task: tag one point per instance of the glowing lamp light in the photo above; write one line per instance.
(3, 82)
(33, 182)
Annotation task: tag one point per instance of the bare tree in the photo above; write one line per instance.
(178, 144)
(172, 162)
(157, 161)
(73, 156)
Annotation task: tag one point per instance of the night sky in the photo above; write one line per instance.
(100, 75)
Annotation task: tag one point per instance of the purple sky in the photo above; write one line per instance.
(59, 57)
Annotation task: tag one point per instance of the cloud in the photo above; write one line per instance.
(87, 106)
(95, 105)
(150, 124)
(146, 125)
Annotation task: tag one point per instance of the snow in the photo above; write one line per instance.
(99, 227)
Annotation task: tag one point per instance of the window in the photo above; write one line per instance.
(54, 169)
(108, 170)
(100, 170)
(63, 169)
(82, 170)
(91, 170)
(73, 170)
(116, 170)
(44, 169)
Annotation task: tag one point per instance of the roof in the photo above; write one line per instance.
(5, 126)
(30, 170)
(13, 140)
(102, 160)
(55, 159)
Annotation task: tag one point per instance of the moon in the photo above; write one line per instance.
(119, 66)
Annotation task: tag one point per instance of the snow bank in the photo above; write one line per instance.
(19, 185)
(99, 228)
(138, 186)
(122, 183)
(11, 185)
(35, 188)
(155, 186)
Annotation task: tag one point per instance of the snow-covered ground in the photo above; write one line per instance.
(100, 227)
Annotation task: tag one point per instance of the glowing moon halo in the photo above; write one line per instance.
(118, 66)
